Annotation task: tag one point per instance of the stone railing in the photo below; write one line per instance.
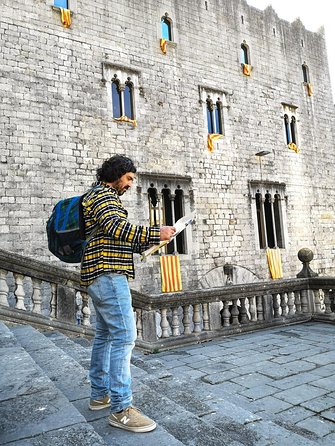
(43, 294)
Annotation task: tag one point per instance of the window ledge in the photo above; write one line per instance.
(58, 8)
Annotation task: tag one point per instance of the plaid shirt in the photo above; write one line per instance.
(112, 246)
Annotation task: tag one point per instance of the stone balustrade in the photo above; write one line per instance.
(37, 292)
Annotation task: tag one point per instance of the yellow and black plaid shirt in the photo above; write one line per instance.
(112, 246)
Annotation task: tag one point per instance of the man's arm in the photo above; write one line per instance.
(107, 212)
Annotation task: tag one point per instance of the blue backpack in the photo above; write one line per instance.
(66, 230)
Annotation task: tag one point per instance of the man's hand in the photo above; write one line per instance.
(167, 232)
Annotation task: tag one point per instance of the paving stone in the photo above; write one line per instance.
(323, 358)
(319, 404)
(258, 392)
(269, 404)
(295, 380)
(318, 425)
(276, 371)
(326, 383)
(252, 380)
(329, 414)
(219, 377)
(294, 414)
(300, 394)
(81, 434)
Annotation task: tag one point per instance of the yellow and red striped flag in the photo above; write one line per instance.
(211, 138)
(65, 17)
(163, 44)
(274, 262)
(170, 274)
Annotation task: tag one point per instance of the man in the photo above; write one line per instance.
(107, 264)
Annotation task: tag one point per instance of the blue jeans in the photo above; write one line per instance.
(114, 340)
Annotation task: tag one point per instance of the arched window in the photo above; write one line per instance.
(214, 116)
(116, 98)
(305, 73)
(287, 129)
(218, 117)
(269, 216)
(293, 127)
(210, 120)
(245, 54)
(269, 221)
(179, 212)
(166, 24)
(128, 99)
(153, 206)
(277, 210)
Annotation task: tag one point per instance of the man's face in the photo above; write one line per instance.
(124, 183)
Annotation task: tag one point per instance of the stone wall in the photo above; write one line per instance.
(57, 127)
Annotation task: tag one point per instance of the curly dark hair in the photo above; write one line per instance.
(114, 168)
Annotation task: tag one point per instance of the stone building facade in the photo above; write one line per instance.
(59, 87)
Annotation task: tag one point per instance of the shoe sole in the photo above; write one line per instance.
(148, 428)
(105, 406)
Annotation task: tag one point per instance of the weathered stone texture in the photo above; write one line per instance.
(57, 127)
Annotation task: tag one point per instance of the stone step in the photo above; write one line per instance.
(33, 411)
(186, 411)
(171, 400)
(71, 379)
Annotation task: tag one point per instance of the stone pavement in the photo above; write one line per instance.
(272, 387)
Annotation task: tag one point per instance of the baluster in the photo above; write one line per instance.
(304, 301)
(86, 311)
(79, 308)
(297, 302)
(317, 301)
(3, 288)
(19, 292)
(243, 311)
(164, 323)
(252, 308)
(259, 307)
(205, 316)
(283, 304)
(53, 300)
(226, 314)
(276, 312)
(234, 313)
(186, 320)
(290, 304)
(36, 297)
(139, 326)
(196, 318)
(175, 322)
(327, 302)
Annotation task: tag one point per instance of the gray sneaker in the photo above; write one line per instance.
(100, 404)
(131, 419)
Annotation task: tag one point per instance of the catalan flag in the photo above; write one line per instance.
(246, 69)
(65, 16)
(274, 262)
(211, 138)
(293, 146)
(124, 118)
(163, 45)
(309, 89)
(170, 274)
